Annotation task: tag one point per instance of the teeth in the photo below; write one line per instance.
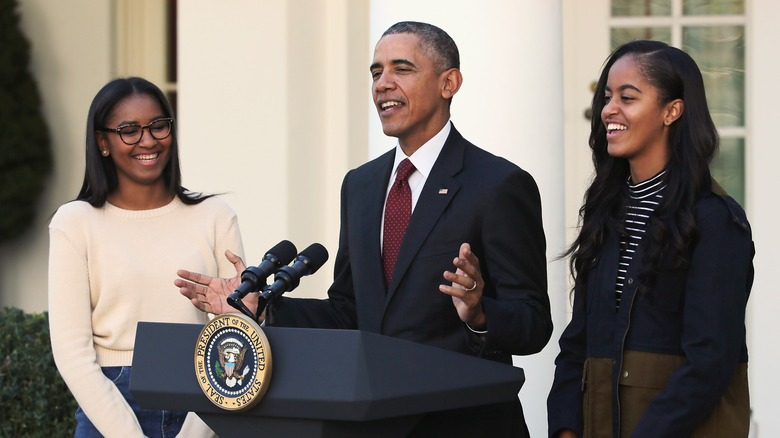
(389, 104)
(146, 157)
(615, 127)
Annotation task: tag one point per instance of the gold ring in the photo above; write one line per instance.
(472, 287)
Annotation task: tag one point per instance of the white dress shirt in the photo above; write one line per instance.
(423, 160)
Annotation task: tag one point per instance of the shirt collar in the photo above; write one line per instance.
(425, 157)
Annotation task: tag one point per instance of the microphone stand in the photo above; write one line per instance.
(270, 320)
(270, 309)
(239, 305)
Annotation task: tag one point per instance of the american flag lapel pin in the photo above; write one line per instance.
(443, 191)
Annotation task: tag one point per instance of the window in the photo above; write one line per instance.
(713, 33)
(145, 42)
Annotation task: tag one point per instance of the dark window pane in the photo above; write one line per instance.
(171, 64)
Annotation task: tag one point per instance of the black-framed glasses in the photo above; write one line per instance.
(132, 133)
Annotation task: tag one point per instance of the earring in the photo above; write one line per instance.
(105, 152)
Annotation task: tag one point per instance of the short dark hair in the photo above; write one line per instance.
(435, 43)
(100, 177)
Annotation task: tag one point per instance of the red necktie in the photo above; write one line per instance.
(397, 213)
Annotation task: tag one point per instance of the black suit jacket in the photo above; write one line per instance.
(470, 196)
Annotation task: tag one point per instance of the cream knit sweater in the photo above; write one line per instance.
(110, 268)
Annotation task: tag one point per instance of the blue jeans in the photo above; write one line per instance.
(155, 423)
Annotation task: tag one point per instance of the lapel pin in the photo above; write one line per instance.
(443, 191)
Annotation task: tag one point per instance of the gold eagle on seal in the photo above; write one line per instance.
(231, 359)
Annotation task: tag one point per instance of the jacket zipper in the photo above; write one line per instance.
(622, 350)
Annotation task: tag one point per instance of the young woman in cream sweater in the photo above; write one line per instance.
(114, 253)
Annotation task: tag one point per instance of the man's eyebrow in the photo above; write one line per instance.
(403, 62)
(400, 61)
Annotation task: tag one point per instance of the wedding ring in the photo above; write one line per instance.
(472, 287)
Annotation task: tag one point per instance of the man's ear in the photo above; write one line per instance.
(451, 80)
(674, 110)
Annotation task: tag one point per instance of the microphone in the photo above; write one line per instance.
(287, 278)
(253, 278)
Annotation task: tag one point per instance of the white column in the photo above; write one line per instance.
(762, 156)
(511, 104)
(232, 100)
(268, 116)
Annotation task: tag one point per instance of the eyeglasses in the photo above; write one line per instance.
(132, 134)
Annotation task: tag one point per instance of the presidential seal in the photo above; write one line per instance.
(233, 362)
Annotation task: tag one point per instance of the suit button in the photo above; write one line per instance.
(625, 374)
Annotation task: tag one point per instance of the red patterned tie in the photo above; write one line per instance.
(397, 213)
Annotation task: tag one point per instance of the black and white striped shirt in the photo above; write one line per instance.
(642, 200)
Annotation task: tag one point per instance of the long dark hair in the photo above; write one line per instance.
(693, 142)
(100, 178)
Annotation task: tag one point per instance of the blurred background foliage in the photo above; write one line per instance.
(34, 400)
(25, 153)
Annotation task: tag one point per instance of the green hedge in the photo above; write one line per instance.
(25, 151)
(34, 401)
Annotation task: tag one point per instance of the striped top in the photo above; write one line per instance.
(641, 200)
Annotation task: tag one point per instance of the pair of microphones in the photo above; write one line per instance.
(287, 276)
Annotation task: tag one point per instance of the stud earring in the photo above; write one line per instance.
(105, 152)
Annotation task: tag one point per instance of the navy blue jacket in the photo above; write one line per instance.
(470, 196)
(697, 312)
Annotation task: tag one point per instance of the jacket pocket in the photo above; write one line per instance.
(449, 249)
(644, 375)
(597, 397)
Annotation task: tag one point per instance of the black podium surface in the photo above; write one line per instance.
(324, 382)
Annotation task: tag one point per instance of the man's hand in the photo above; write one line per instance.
(466, 289)
(210, 294)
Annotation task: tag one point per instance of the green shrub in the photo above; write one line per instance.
(25, 154)
(34, 401)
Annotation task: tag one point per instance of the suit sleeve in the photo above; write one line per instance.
(515, 269)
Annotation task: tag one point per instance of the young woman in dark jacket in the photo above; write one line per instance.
(662, 266)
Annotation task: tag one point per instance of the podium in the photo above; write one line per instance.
(324, 383)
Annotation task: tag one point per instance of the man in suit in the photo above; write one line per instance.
(469, 209)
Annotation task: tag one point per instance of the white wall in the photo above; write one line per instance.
(511, 104)
(763, 156)
(233, 111)
(269, 116)
(71, 60)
